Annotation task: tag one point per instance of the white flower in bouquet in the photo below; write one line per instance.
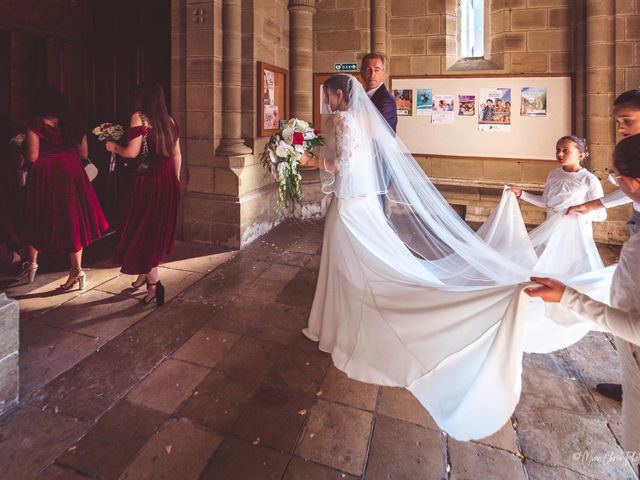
(287, 134)
(109, 131)
(281, 158)
(18, 140)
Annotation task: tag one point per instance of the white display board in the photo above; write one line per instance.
(528, 137)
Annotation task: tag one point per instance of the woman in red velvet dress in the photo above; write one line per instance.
(62, 213)
(149, 227)
(10, 198)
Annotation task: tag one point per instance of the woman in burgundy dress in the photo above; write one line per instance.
(10, 197)
(62, 213)
(149, 227)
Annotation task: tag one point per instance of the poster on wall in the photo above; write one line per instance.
(404, 102)
(271, 119)
(466, 105)
(273, 98)
(442, 109)
(424, 101)
(533, 102)
(494, 113)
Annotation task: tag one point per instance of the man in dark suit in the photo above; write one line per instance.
(373, 70)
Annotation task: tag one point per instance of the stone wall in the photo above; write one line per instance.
(9, 334)
(228, 200)
(528, 37)
(341, 30)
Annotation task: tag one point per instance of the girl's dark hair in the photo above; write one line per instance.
(626, 156)
(52, 103)
(630, 98)
(581, 144)
(150, 101)
(337, 82)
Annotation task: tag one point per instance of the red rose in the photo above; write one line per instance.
(298, 138)
(316, 131)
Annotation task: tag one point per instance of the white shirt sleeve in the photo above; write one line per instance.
(615, 199)
(595, 191)
(537, 200)
(620, 323)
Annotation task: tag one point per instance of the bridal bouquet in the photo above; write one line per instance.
(281, 158)
(109, 131)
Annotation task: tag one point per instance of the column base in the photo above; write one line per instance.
(232, 146)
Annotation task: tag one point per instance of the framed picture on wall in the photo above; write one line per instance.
(318, 104)
(273, 98)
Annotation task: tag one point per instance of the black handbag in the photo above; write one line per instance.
(142, 160)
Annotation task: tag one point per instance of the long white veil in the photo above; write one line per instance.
(414, 297)
(419, 214)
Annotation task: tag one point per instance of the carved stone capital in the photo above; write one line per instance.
(306, 5)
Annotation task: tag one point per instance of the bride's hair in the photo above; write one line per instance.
(625, 156)
(337, 82)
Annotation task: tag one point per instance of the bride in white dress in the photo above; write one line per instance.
(415, 298)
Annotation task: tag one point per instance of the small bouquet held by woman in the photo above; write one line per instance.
(109, 131)
(281, 158)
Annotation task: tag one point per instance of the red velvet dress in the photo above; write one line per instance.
(62, 212)
(149, 226)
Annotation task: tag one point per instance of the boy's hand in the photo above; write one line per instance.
(549, 291)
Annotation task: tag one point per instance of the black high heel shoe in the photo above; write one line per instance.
(158, 297)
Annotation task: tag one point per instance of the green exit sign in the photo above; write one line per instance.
(345, 67)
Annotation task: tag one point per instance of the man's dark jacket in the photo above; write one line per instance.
(386, 105)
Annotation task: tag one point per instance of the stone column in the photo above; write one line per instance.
(379, 26)
(232, 143)
(301, 73)
(601, 76)
(301, 57)
(600, 93)
(9, 339)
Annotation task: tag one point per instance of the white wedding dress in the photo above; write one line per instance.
(415, 298)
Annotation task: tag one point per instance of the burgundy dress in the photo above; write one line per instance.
(62, 212)
(149, 226)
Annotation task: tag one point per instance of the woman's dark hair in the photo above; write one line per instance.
(52, 103)
(150, 101)
(580, 143)
(630, 98)
(626, 156)
(337, 82)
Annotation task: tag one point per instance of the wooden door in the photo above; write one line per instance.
(128, 42)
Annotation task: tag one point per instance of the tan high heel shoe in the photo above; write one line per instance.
(29, 268)
(78, 276)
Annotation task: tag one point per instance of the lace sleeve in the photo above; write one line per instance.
(345, 142)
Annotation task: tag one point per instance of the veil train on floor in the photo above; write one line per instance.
(415, 298)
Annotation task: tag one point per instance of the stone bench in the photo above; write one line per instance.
(9, 343)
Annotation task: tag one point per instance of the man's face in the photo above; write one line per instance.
(372, 73)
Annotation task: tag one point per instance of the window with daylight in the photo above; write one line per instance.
(472, 28)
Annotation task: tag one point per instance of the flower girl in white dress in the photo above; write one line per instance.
(563, 244)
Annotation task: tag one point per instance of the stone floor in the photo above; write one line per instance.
(220, 384)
